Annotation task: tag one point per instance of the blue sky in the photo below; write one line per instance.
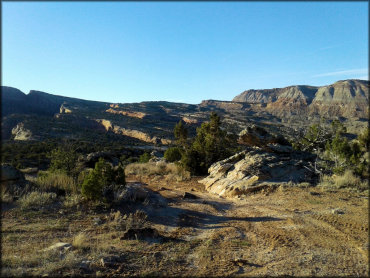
(180, 51)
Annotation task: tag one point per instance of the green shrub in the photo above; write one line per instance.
(63, 160)
(172, 154)
(144, 158)
(211, 144)
(103, 175)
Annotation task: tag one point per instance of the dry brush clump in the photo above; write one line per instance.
(161, 168)
(51, 181)
(36, 200)
(80, 241)
(131, 221)
(346, 180)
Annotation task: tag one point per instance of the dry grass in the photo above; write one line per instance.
(36, 200)
(56, 180)
(80, 241)
(161, 168)
(5, 196)
(346, 180)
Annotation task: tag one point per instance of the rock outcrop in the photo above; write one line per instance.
(133, 114)
(189, 120)
(64, 110)
(254, 169)
(21, 133)
(109, 126)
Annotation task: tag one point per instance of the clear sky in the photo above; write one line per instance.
(180, 51)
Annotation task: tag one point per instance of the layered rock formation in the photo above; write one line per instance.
(133, 133)
(348, 99)
(286, 110)
(254, 169)
(139, 115)
(268, 160)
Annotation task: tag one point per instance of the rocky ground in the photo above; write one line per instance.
(189, 231)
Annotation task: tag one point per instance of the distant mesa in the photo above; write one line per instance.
(347, 98)
(280, 110)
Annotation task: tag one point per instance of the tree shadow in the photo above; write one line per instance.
(178, 217)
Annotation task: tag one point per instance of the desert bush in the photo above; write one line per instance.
(56, 181)
(211, 144)
(172, 154)
(335, 153)
(144, 158)
(102, 176)
(36, 200)
(64, 160)
(346, 180)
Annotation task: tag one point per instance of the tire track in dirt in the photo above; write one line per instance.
(349, 255)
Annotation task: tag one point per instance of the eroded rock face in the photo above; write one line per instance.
(109, 126)
(346, 98)
(21, 133)
(250, 169)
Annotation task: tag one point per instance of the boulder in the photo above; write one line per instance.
(256, 168)
(13, 181)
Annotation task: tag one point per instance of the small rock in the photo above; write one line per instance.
(188, 195)
(97, 221)
(109, 261)
(59, 246)
(337, 211)
(85, 264)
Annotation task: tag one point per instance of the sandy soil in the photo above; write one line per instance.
(290, 231)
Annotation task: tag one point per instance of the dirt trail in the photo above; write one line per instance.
(287, 232)
(290, 231)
